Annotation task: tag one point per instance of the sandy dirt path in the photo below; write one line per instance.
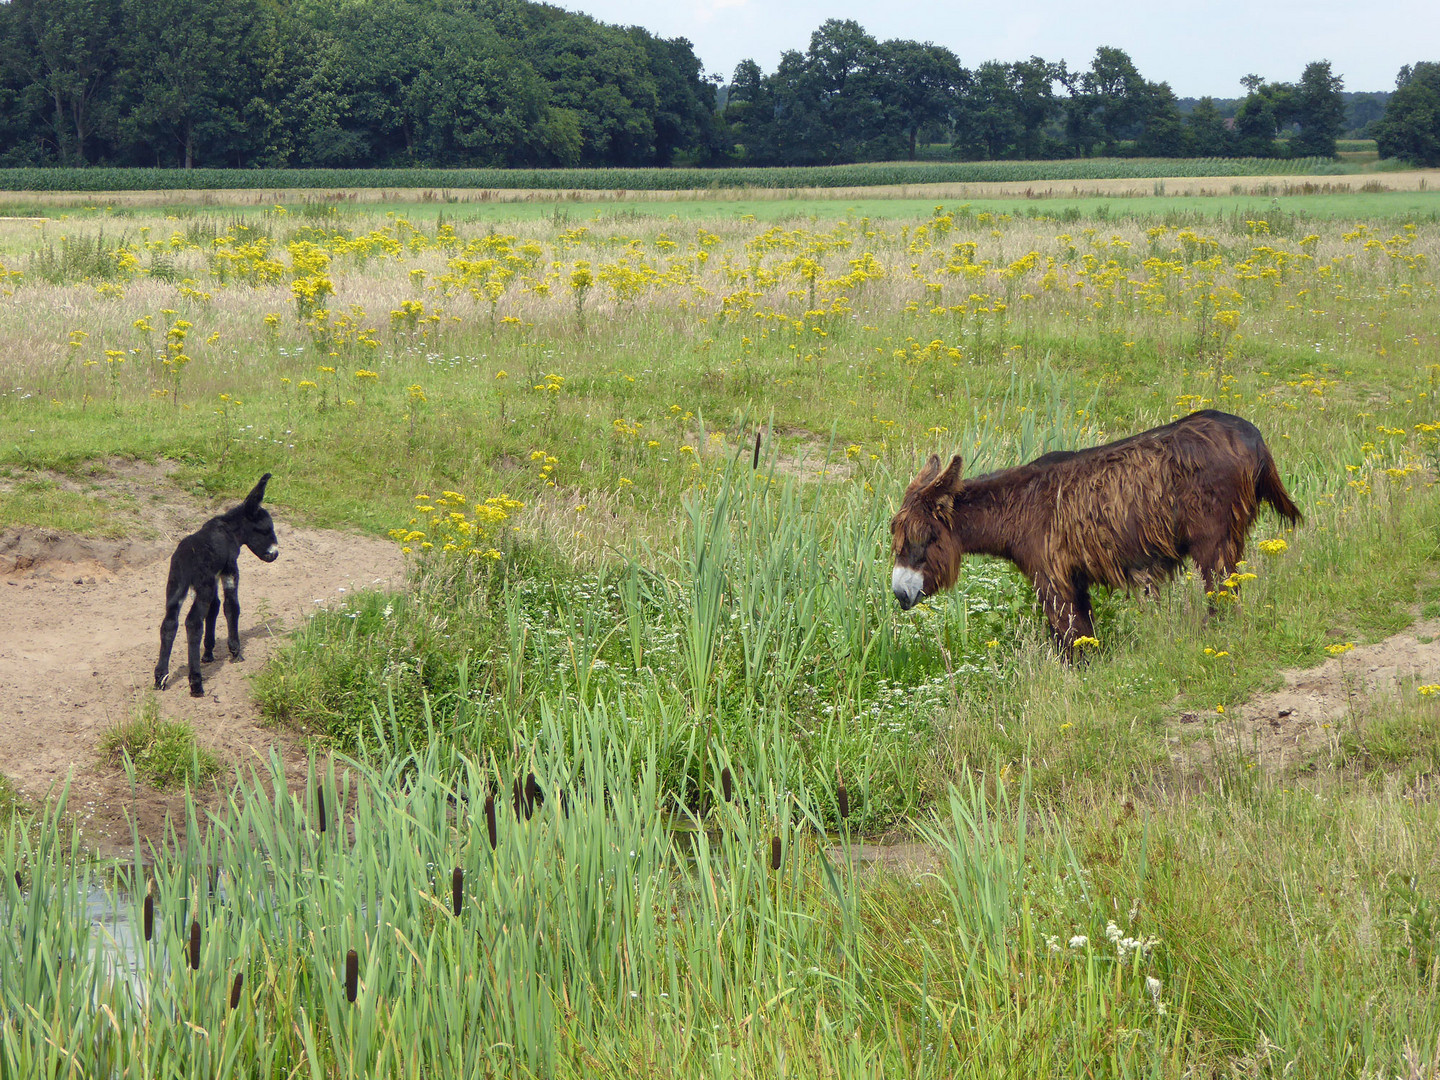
(79, 633)
(1306, 718)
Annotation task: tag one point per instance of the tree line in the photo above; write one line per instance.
(344, 83)
(850, 97)
(508, 83)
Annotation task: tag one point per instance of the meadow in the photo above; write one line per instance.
(644, 464)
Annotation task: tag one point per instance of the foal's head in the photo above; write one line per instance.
(254, 526)
(927, 557)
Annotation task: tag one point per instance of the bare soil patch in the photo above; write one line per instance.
(1289, 727)
(80, 632)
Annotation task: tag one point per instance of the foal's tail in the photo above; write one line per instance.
(1268, 488)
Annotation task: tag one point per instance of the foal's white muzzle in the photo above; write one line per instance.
(908, 586)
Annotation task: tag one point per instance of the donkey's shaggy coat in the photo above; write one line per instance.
(206, 561)
(1124, 515)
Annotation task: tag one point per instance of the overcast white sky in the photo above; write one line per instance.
(1200, 47)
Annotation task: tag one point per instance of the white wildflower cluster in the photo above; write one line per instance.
(1125, 945)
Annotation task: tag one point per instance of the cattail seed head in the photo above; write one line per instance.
(774, 853)
(352, 975)
(843, 797)
(727, 784)
(490, 819)
(755, 464)
(533, 795)
(194, 946)
(235, 990)
(149, 917)
(18, 886)
(457, 889)
(320, 806)
(518, 796)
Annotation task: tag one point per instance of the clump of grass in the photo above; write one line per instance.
(10, 801)
(164, 753)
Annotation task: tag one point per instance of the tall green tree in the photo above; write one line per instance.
(22, 103)
(1266, 108)
(602, 76)
(1162, 133)
(67, 50)
(192, 71)
(918, 84)
(839, 87)
(1256, 126)
(686, 123)
(475, 103)
(1206, 134)
(1410, 128)
(1033, 82)
(751, 114)
(1113, 98)
(1319, 108)
(1004, 109)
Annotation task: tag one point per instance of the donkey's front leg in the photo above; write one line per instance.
(1067, 607)
(231, 582)
(168, 626)
(194, 629)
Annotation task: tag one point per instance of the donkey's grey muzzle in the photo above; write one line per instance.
(908, 586)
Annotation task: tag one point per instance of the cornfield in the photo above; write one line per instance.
(831, 176)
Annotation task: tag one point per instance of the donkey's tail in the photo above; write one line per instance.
(1269, 489)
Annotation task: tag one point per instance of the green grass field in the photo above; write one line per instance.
(555, 413)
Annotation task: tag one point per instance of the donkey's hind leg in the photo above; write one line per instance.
(231, 582)
(1217, 561)
(210, 616)
(194, 629)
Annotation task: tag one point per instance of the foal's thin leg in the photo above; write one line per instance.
(168, 626)
(210, 617)
(194, 628)
(231, 581)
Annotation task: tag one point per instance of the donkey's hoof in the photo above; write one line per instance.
(197, 690)
(236, 656)
(162, 680)
(208, 658)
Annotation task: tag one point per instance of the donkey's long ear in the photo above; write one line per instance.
(252, 501)
(950, 480)
(927, 474)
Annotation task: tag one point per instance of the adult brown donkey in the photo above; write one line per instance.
(1125, 515)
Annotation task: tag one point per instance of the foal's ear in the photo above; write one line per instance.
(252, 501)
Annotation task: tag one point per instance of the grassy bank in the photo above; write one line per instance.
(417, 917)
